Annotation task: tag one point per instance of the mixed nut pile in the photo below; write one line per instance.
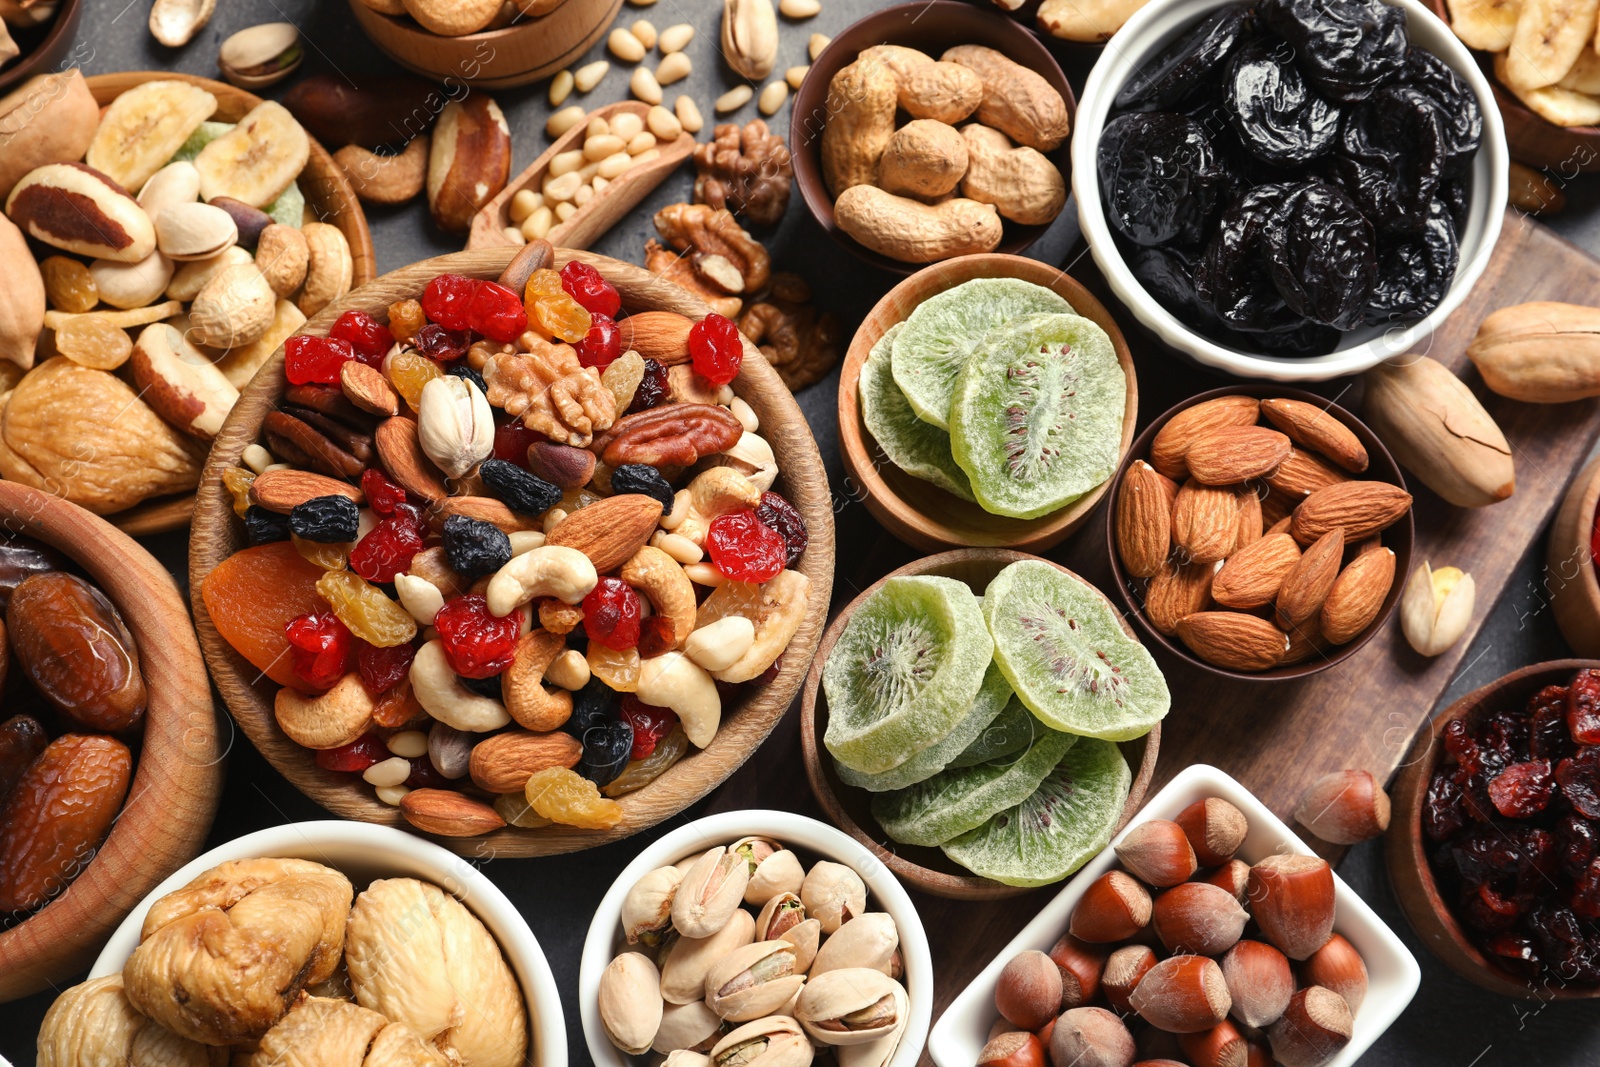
(510, 506)
(1152, 966)
(803, 968)
(270, 958)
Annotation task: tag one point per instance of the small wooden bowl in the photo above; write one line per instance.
(179, 771)
(851, 809)
(932, 26)
(328, 196)
(525, 51)
(919, 512)
(249, 695)
(603, 210)
(1533, 139)
(1399, 537)
(1406, 847)
(1569, 564)
(44, 47)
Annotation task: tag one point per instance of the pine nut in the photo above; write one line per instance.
(390, 772)
(645, 86)
(649, 155)
(745, 414)
(688, 113)
(641, 142)
(565, 212)
(525, 541)
(816, 44)
(564, 162)
(678, 512)
(664, 124)
(257, 458)
(674, 68)
(598, 127)
(598, 185)
(645, 31)
(514, 235)
(625, 46)
(412, 744)
(538, 224)
(799, 9)
(598, 148)
(392, 795)
(563, 120)
(704, 574)
(562, 187)
(584, 194)
(733, 99)
(560, 88)
(676, 38)
(678, 547)
(795, 75)
(614, 165)
(588, 76)
(772, 97)
(552, 519)
(522, 205)
(626, 125)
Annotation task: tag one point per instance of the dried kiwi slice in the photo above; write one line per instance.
(1067, 657)
(1013, 730)
(905, 670)
(919, 448)
(991, 700)
(1066, 821)
(939, 335)
(1037, 417)
(955, 801)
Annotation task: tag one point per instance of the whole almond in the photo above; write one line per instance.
(1205, 521)
(448, 813)
(484, 509)
(367, 388)
(282, 490)
(1357, 595)
(1233, 640)
(1250, 525)
(1306, 585)
(1171, 443)
(1235, 453)
(1281, 526)
(1301, 473)
(1277, 506)
(1311, 426)
(1144, 519)
(1357, 508)
(611, 530)
(1178, 589)
(504, 763)
(1253, 575)
(659, 335)
(1305, 641)
(400, 452)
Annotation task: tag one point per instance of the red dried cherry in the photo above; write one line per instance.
(308, 360)
(424, 775)
(387, 549)
(383, 495)
(744, 548)
(370, 338)
(1583, 707)
(383, 668)
(319, 648)
(476, 643)
(355, 757)
(447, 300)
(511, 442)
(592, 292)
(602, 344)
(611, 614)
(654, 388)
(438, 343)
(778, 513)
(1522, 790)
(657, 636)
(497, 313)
(650, 724)
(717, 348)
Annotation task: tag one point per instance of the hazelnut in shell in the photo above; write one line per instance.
(1158, 852)
(1314, 1027)
(1234, 876)
(1215, 830)
(1113, 908)
(1029, 990)
(1259, 980)
(1182, 995)
(1339, 967)
(1012, 1049)
(1221, 1046)
(1123, 970)
(1291, 899)
(1080, 965)
(1091, 1037)
(1344, 807)
(1199, 918)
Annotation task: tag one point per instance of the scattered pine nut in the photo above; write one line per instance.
(688, 113)
(588, 76)
(625, 46)
(641, 142)
(799, 9)
(733, 99)
(599, 184)
(664, 124)
(818, 42)
(772, 97)
(562, 187)
(645, 86)
(645, 31)
(647, 156)
(563, 120)
(392, 795)
(795, 75)
(745, 414)
(257, 458)
(523, 204)
(673, 67)
(538, 224)
(676, 38)
(565, 211)
(560, 88)
(584, 194)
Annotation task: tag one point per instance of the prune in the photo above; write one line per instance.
(1583, 707)
(1391, 157)
(1231, 276)
(474, 547)
(1187, 65)
(1414, 270)
(1321, 256)
(1522, 790)
(1277, 116)
(1579, 778)
(1167, 274)
(1457, 199)
(523, 492)
(606, 750)
(262, 527)
(1347, 48)
(20, 557)
(1304, 338)
(1460, 119)
(327, 520)
(1159, 177)
(591, 706)
(644, 479)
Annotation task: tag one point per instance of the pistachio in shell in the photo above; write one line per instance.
(783, 918)
(833, 894)
(851, 1006)
(776, 1041)
(647, 909)
(779, 872)
(868, 940)
(753, 981)
(691, 1026)
(685, 960)
(630, 1002)
(710, 893)
(261, 55)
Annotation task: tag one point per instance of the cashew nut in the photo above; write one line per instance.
(549, 570)
(722, 644)
(673, 680)
(335, 718)
(330, 268)
(442, 695)
(419, 596)
(660, 578)
(386, 179)
(527, 699)
(714, 492)
(776, 607)
(569, 670)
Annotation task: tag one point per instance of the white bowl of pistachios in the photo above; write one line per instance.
(755, 936)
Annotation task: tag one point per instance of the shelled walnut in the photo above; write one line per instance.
(553, 393)
(801, 344)
(708, 253)
(746, 170)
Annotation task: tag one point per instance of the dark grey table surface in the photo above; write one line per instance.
(1449, 1022)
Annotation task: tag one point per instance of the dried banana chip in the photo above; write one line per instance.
(1553, 104)
(1485, 24)
(1549, 37)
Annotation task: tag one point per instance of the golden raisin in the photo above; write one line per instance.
(514, 809)
(365, 611)
(397, 707)
(408, 372)
(92, 341)
(552, 310)
(69, 285)
(619, 670)
(406, 317)
(330, 557)
(237, 480)
(641, 772)
(562, 795)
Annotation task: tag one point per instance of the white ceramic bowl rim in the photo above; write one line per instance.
(365, 852)
(884, 891)
(1152, 27)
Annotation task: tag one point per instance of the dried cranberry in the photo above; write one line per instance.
(387, 549)
(424, 775)
(319, 649)
(653, 390)
(612, 613)
(370, 338)
(601, 345)
(650, 724)
(497, 313)
(1578, 841)
(1515, 954)
(744, 548)
(315, 359)
(1504, 740)
(447, 300)
(1458, 742)
(1583, 707)
(438, 343)
(512, 440)
(476, 643)
(1538, 858)
(585, 285)
(1579, 778)
(1487, 910)
(1586, 892)
(1561, 942)
(717, 349)
(1442, 817)
(1522, 790)
(657, 636)
(382, 493)
(778, 513)
(1548, 736)
(355, 757)
(383, 668)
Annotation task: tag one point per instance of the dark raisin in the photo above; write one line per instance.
(1347, 48)
(1189, 64)
(1278, 117)
(328, 520)
(474, 547)
(606, 751)
(523, 492)
(776, 512)
(653, 390)
(644, 479)
(263, 527)
(592, 705)
(1322, 256)
(484, 687)
(1160, 178)
(436, 342)
(461, 370)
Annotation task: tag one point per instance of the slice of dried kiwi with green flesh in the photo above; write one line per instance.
(939, 336)
(1037, 417)
(905, 670)
(1067, 657)
(919, 448)
(1013, 730)
(991, 700)
(1062, 825)
(955, 801)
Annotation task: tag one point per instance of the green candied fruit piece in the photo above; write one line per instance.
(290, 207)
(203, 135)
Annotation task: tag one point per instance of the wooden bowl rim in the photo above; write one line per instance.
(810, 101)
(940, 883)
(1406, 857)
(887, 505)
(1377, 454)
(178, 778)
(215, 538)
(68, 14)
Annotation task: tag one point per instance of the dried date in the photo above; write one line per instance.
(74, 647)
(20, 557)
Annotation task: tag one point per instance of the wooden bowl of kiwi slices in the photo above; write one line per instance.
(1009, 795)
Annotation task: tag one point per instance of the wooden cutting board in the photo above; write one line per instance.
(1278, 738)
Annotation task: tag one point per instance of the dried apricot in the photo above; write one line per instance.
(75, 649)
(562, 795)
(54, 819)
(364, 609)
(254, 594)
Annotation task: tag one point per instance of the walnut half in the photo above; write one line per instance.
(801, 345)
(554, 393)
(745, 170)
(717, 260)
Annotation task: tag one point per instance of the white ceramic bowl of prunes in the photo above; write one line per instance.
(1289, 189)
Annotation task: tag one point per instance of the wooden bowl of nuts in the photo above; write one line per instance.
(1305, 492)
(69, 813)
(515, 508)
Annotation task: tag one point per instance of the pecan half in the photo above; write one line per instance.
(294, 438)
(671, 435)
(552, 392)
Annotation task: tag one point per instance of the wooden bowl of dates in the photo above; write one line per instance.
(1408, 848)
(42, 47)
(1569, 563)
(802, 480)
(1398, 537)
(850, 809)
(917, 511)
(179, 754)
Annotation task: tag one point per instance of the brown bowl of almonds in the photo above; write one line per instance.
(526, 559)
(1257, 532)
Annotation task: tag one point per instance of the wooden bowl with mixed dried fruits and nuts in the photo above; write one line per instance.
(1239, 527)
(695, 465)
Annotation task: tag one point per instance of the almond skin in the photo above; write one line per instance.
(1171, 443)
(1311, 426)
(1177, 590)
(609, 531)
(1357, 595)
(1205, 521)
(504, 763)
(1236, 453)
(1357, 508)
(402, 457)
(448, 813)
(1144, 519)
(282, 490)
(1250, 526)
(659, 335)
(1253, 575)
(1302, 473)
(1233, 641)
(1306, 585)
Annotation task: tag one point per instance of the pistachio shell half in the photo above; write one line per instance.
(753, 981)
(630, 1002)
(867, 941)
(833, 894)
(711, 892)
(685, 960)
(851, 1006)
(690, 1026)
(647, 909)
(261, 55)
(776, 1041)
